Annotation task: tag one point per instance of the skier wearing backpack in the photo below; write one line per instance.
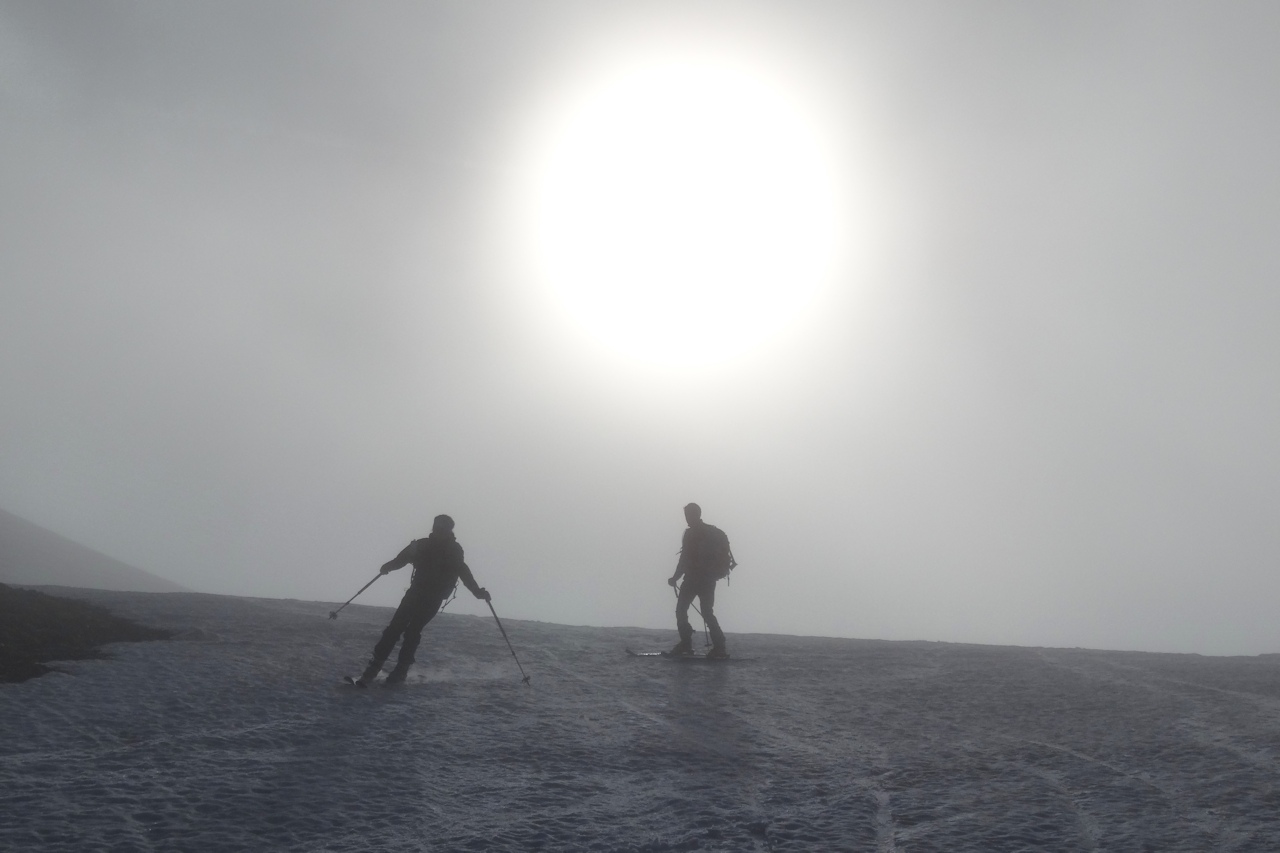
(705, 557)
(437, 568)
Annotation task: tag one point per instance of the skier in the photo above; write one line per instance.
(437, 567)
(704, 559)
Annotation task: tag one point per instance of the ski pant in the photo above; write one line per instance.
(704, 589)
(415, 611)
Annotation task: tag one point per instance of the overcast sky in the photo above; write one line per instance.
(262, 318)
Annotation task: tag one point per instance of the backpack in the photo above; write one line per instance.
(719, 559)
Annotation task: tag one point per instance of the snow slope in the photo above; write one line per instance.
(240, 736)
(30, 554)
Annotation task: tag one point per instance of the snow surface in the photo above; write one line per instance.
(241, 736)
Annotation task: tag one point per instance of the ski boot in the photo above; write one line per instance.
(717, 653)
(397, 675)
(370, 673)
(682, 649)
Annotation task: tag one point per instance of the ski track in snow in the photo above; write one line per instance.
(241, 736)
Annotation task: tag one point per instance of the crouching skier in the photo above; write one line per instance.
(437, 568)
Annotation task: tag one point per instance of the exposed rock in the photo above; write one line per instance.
(36, 627)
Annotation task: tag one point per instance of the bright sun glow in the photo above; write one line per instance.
(683, 210)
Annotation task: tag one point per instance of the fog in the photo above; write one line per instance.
(262, 319)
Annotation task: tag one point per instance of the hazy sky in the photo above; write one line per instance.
(263, 316)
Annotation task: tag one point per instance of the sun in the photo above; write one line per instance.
(682, 210)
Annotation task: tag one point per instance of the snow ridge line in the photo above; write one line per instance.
(1119, 771)
(885, 827)
(1174, 796)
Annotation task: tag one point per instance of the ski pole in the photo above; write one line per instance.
(508, 639)
(333, 614)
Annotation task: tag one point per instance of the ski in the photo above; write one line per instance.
(685, 658)
(382, 683)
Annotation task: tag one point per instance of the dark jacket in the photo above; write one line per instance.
(437, 566)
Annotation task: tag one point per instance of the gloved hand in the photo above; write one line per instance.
(387, 569)
(672, 582)
(483, 595)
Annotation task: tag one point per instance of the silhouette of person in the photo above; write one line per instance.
(698, 564)
(437, 568)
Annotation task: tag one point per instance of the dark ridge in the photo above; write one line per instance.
(36, 627)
